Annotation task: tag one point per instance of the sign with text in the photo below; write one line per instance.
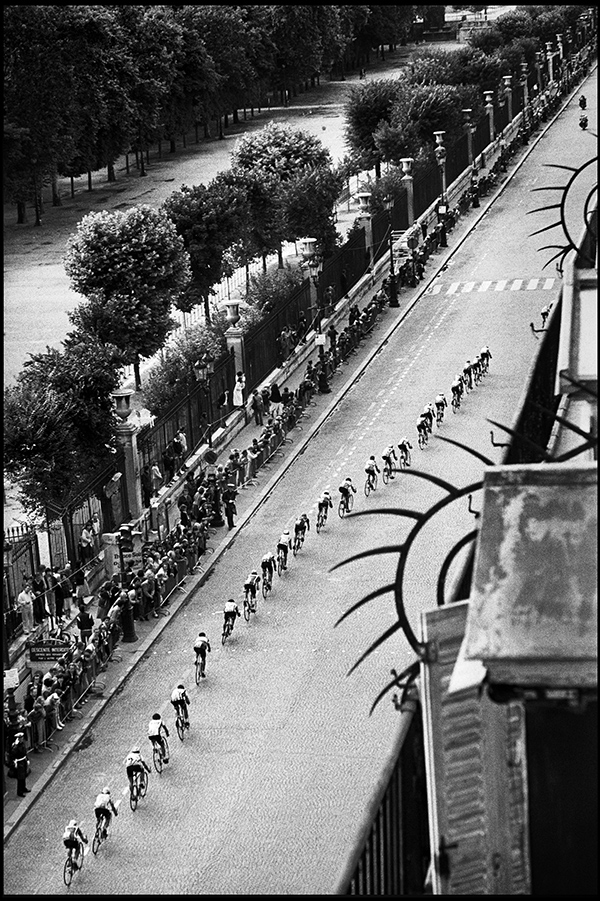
(51, 649)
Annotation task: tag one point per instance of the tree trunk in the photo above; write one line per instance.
(56, 201)
(112, 175)
(264, 262)
(172, 146)
(236, 117)
(89, 180)
(72, 187)
(21, 212)
(136, 371)
(280, 257)
(206, 309)
(378, 169)
(183, 141)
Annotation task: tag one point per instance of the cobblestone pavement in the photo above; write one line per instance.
(268, 791)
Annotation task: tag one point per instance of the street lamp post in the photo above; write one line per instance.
(203, 370)
(309, 255)
(549, 59)
(389, 205)
(440, 155)
(507, 79)
(407, 180)
(525, 86)
(488, 96)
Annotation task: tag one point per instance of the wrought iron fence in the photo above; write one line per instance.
(481, 138)
(199, 413)
(457, 158)
(427, 188)
(21, 561)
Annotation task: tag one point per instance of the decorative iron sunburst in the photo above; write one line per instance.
(406, 678)
(570, 207)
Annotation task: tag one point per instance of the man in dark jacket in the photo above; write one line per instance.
(18, 752)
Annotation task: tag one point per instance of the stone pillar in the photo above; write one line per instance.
(407, 181)
(126, 437)
(507, 79)
(235, 340)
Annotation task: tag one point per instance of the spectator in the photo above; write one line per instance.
(286, 397)
(302, 327)
(146, 481)
(156, 477)
(82, 589)
(275, 398)
(67, 588)
(148, 590)
(266, 396)
(86, 542)
(238, 390)
(51, 582)
(52, 709)
(328, 299)
(177, 451)
(229, 496)
(18, 753)
(168, 460)
(258, 407)
(39, 587)
(104, 601)
(37, 718)
(332, 335)
(25, 601)
(59, 597)
(85, 623)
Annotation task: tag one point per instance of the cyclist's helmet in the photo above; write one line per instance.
(200, 634)
(254, 573)
(231, 601)
(72, 824)
(156, 716)
(106, 790)
(326, 493)
(135, 750)
(181, 686)
(305, 516)
(286, 531)
(372, 457)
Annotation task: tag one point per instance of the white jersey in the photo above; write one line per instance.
(285, 539)
(230, 607)
(177, 694)
(102, 800)
(370, 464)
(440, 399)
(154, 727)
(133, 759)
(201, 642)
(268, 558)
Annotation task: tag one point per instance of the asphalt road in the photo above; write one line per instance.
(267, 792)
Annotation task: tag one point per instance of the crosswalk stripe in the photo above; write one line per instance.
(516, 284)
(468, 286)
(484, 286)
(532, 284)
(435, 289)
(548, 284)
(500, 286)
(453, 288)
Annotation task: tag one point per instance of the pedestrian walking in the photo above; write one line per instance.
(39, 587)
(86, 542)
(21, 763)
(258, 407)
(180, 436)
(275, 399)
(25, 603)
(266, 398)
(156, 476)
(238, 390)
(146, 483)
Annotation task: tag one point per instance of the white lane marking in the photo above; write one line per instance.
(468, 286)
(435, 289)
(500, 286)
(516, 285)
(548, 284)
(453, 288)
(532, 284)
(484, 286)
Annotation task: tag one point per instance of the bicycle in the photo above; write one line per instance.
(404, 459)
(227, 630)
(138, 789)
(249, 606)
(387, 472)
(321, 520)
(345, 505)
(181, 725)
(266, 586)
(69, 869)
(455, 403)
(280, 561)
(159, 752)
(100, 835)
(422, 440)
(439, 416)
(370, 483)
(298, 542)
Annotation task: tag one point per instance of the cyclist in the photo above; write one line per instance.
(201, 646)
(135, 763)
(388, 455)
(371, 468)
(486, 355)
(268, 564)
(440, 404)
(251, 585)
(104, 807)
(423, 426)
(468, 375)
(301, 526)
(284, 544)
(405, 448)
(477, 372)
(457, 388)
(427, 416)
(74, 839)
(323, 504)
(346, 487)
(230, 612)
(156, 730)
(180, 701)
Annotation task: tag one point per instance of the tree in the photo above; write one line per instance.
(59, 421)
(308, 207)
(367, 107)
(131, 266)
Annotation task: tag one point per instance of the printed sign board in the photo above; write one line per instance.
(51, 649)
(11, 678)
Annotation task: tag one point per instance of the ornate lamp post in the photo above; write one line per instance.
(389, 205)
(488, 96)
(440, 155)
(407, 180)
(203, 370)
(549, 59)
(507, 79)
(468, 126)
(525, 86)
(309, 255)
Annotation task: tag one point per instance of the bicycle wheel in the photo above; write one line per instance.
(455, 403)
(166, 746)
(367, 486)
(279, 563)
(134, 792)
(374, 485)
(97, 841)
(157, 758)
(143, 784)
(296, 547)
(341, 508)
(68, 871)
(422, 440)
(319, 522)
(180, 726)
(246, 610)
(198, 676)
(349, 503)
(266, 587)
(385, 475)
